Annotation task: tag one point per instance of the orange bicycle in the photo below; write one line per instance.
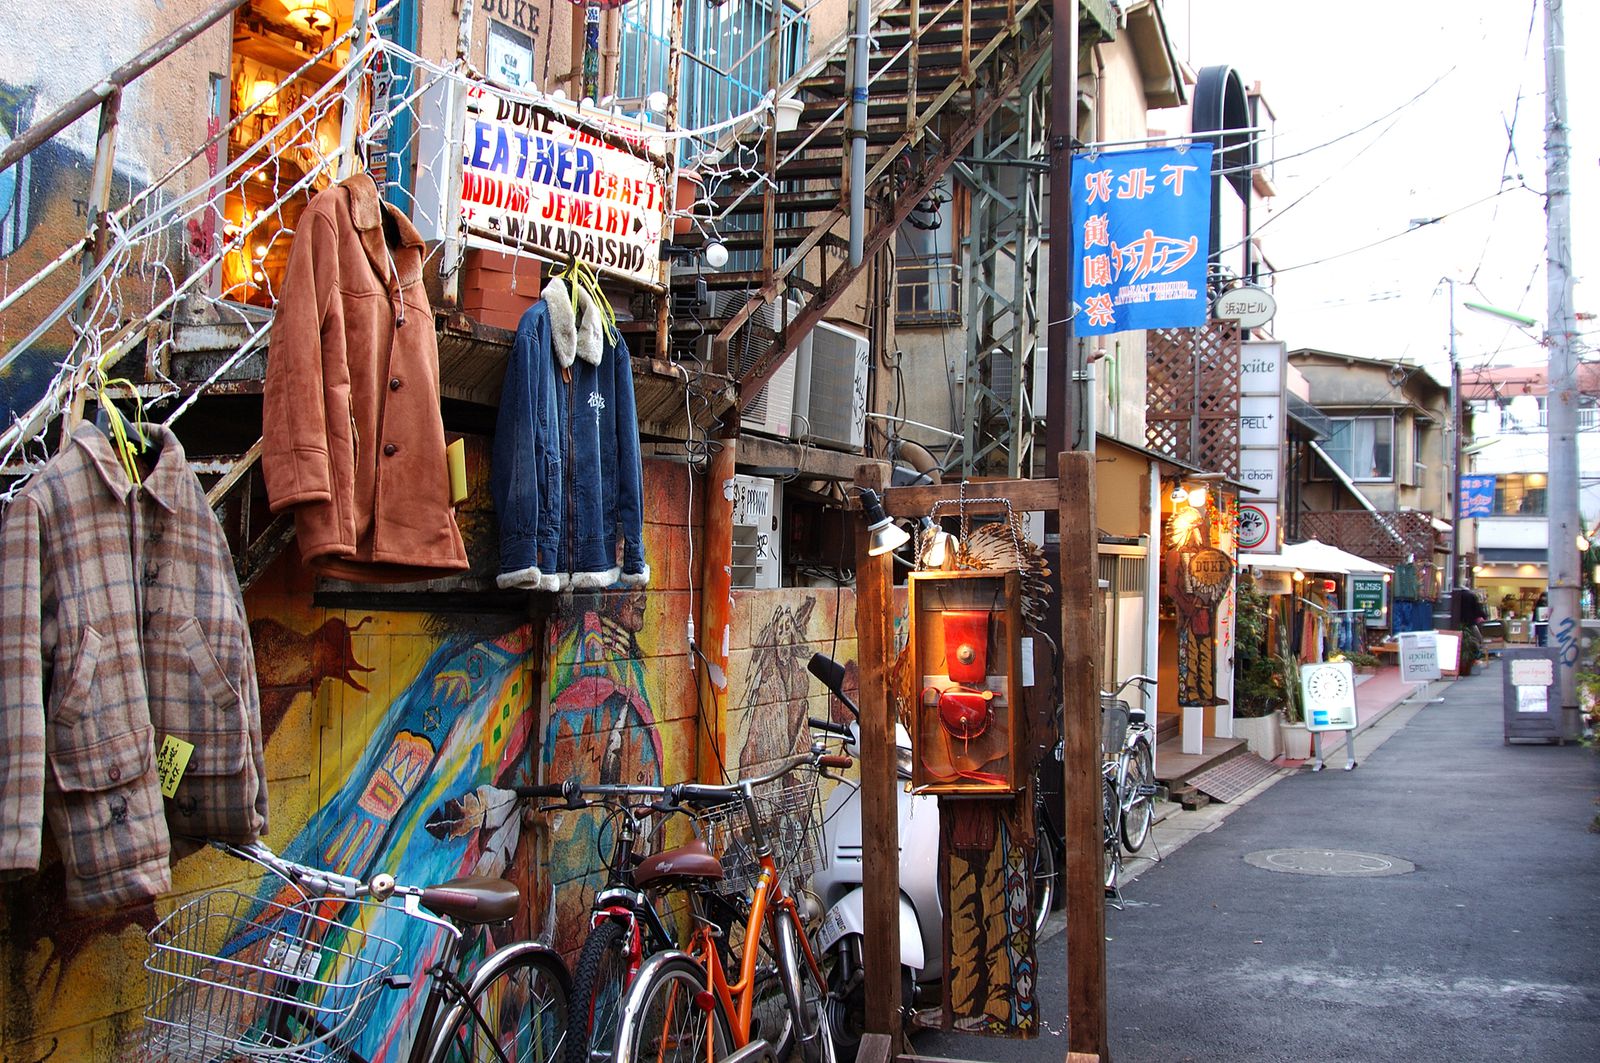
(760, 835)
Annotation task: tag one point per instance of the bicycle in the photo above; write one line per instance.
(233, 975)
(681, 1008)
(626, 926)
(1134, 759)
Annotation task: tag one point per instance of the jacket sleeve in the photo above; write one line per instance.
(514, 478)
(630, 476)
(294, 417)
(22, 748)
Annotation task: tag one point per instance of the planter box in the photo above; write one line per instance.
(1260, 734)
(1296, 741)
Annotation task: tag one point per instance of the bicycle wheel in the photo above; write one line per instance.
(518, 1015)
(597, 986)
(667, 1018)
(1046, 868)
(1111, 811)
(1138, 805)
(807, 992)
(770, 1018)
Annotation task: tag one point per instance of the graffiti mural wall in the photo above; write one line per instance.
(392, 735)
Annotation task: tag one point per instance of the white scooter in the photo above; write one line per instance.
(839, 885)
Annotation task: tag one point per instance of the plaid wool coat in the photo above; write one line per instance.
(121, 623)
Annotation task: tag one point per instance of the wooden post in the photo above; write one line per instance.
(880, 816)
(716, 611)
(1080, 692)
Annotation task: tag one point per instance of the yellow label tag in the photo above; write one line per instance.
(171, 762)
(456, 456)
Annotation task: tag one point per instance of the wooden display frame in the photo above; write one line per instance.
(992, 762)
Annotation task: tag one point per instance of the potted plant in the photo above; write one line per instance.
(1257, 696)
(1296, 739)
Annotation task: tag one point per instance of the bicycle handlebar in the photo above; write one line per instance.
(380, 887)
(1126, 683)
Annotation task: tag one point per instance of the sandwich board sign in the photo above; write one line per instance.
(1328, 692)
(1419, 656)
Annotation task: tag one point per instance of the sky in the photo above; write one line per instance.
(1398, 110)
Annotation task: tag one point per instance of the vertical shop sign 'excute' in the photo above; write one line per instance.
(534, 177)
(1141, 222)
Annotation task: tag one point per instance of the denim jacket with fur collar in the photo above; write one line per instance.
(567, 475)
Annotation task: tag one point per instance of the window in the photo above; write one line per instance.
(1520, 494)
(927, 273)
(1419, 467)
(1363, 446)
(723, 73)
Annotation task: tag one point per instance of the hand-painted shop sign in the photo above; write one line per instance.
(535, 177)
(1250, 306)
(1141, 239)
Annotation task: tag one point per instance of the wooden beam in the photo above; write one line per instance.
(1080, 692)
(880, 809)
(810, 462)
(716, 612)
(1025, 496)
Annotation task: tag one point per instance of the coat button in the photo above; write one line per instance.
(394, 383)
(114, 773)
(389, 449)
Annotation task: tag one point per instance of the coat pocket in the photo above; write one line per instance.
(217, 731)
(73, 703)
(216, 797)
(108, 817)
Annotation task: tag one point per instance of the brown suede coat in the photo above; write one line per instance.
(353, 442)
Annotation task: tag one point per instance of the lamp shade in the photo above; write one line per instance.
(886, 534)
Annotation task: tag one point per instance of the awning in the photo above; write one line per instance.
(1313, 555)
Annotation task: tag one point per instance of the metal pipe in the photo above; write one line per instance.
(89, 99)
(859, 78)
(1561, 396)
(350, 118)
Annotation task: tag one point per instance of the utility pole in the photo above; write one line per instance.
(1561, 400)
(1457, 569)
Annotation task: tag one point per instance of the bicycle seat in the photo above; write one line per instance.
(474, 900)
(690, 861)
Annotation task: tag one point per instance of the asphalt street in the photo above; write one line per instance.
(1479, 943)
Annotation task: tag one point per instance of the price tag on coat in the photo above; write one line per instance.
(172, 760)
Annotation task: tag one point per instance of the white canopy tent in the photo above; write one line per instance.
(1313, 555)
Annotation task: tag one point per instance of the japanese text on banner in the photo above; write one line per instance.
(1141, 221)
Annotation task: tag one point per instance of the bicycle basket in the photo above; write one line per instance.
(1114, 726)
(232, 975)
(790, 810)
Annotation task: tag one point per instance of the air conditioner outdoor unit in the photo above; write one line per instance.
(772, 409)
(830, 389)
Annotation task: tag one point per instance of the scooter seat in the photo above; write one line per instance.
(690, 861)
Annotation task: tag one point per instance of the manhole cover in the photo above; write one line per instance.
(1337, 862)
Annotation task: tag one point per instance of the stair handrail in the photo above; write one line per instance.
(81, 104)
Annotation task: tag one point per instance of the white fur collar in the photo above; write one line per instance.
(590, 328)
(563, 321)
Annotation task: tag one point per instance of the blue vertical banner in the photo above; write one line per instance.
(1477, 496)
(1141, 224)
